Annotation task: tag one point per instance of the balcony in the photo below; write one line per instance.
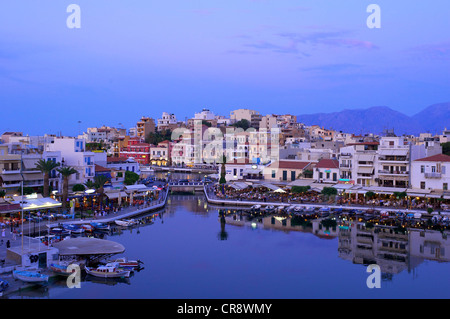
(345, 165)
(400, 173)
(433, 175)
(10, 171)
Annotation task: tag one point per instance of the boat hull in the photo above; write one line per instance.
(30, 277)
(115, 274)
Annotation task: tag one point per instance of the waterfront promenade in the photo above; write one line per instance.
(213, 199)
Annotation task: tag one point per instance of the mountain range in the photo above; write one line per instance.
(433, 119)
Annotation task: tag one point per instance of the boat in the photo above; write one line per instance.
(110, 270)
(280, 209)
(60, 269)
(88, 228)
(125, 223)
(269, 208)
(256, 207)
(76, 229)
(30, 276)
(125, 263)
(100, 226)
(3, 286)
(59, 231)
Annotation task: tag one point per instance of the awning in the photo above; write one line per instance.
(251, 171)
(30, 163)
(115, 195)
(138, 188)
(418, 192)
(301, 182)
(238, 185)
(393, 152)
(270, 186)
(11, 177)
(33, 176)
(366, 158)
(385, 190)
(365, 170)
(39, 203)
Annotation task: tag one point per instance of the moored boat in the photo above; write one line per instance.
(61, 269)
(125, 263)
(30, 276)
(125, 223)
(100, 226)
(110, 270)
(87, 227)
(73, 228)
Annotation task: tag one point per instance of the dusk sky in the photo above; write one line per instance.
(140, 57)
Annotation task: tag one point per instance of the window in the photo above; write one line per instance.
(334, 177)
(284, 175)
(445, 186)
(273, 173)
(433, 169)
(422, 168)
(292, 175)
(422, 185)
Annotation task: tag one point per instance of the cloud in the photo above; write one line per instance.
(435, 51)
(332, 67)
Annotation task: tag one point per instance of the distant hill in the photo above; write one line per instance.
(377, 119)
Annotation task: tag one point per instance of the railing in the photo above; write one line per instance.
(433, 175)
(10, 171)
(345, 165)
(186, 183)
(381, 171)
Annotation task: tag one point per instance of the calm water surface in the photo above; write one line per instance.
(188, 253)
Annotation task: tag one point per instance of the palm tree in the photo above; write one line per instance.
(222, 171)
(89, 184)
(46, 166)
(66, 171)
(99, 182)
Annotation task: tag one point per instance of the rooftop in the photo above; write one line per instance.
(435, 158)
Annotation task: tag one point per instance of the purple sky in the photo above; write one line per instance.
(134, 58)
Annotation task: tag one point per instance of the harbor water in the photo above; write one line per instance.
(189, 252)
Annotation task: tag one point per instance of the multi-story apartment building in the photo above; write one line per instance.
(252, 116)
(10, 169)
(145, 126)
(137, 150)
(73, 153)
(431, 173)
(357, 163)
(167, 122)
(393, 162)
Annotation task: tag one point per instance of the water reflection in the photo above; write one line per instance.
(393, 248)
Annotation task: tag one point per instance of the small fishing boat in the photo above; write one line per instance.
(60, 269)
(255, 207)
(30, 276)
(87, 228)
(125, 263)
(125, 223)
(100, 226)
(269, 208)
(110, 270)
(75, 229)
(59, 231)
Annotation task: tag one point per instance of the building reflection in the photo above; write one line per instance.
(394, 248)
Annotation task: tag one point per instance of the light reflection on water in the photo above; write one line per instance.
(189, 251)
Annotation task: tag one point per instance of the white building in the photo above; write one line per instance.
(357, 163)
(393, 162)
(431, 173)
(73, 154)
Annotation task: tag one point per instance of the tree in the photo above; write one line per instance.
(2, 193)
(244, 124)
(157, 137)
(329, 191)
(78, 188)
(89, 184)
(99, 183)
(446, 148)
(65, 172)
(130, 178)
(223, 170)
(300, 189)
(46, 167)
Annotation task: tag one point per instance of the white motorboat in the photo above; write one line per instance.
(256, 207)
(125, 263)
(125, 223)
(110, 270)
